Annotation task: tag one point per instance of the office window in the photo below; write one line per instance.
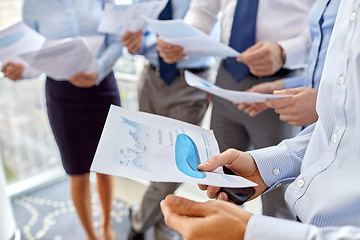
(27, 146)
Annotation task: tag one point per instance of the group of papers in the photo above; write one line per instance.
(118, 19)
(59, 59)
(62, 58)
(166, 150)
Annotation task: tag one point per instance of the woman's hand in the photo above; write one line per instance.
(83, 80)
(13, 71)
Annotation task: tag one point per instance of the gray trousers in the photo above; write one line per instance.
(235, 129)
(178, 101)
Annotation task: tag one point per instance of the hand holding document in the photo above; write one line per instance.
(155, 148)
(194, 42)
(233, 96)
(117, 19)
(19, 39)
(61, 59)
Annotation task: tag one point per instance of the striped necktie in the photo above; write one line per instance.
(242, 36)
(168, 72)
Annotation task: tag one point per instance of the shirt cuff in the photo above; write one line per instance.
(30, 72)
(275, 166)
(101, 73)
(262, 227)
(293, 82)
(297, 52)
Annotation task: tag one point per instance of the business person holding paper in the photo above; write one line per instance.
(299, 110)
(77, 108)
(326, 150)
(164, 91)
(273, 39)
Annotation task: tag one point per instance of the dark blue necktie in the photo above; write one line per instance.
(242, 36)
(168, 72)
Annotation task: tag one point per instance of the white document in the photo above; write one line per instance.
(231, 95)
(194, 42)
(19, 39)
(61, 59)
(117, 19)
(145, 146)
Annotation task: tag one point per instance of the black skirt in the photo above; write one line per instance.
(77, 117)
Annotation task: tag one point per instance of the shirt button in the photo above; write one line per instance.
(353, 16)
(301, 183)
(342, 80)
(310, 86)
(276, 171)
(315, 57)
(318, 28)
(335, 138)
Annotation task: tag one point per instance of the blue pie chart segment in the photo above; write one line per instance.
(187, 157)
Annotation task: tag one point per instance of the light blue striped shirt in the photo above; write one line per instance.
(148, 48)
(56, 19)
(323, 161)
(321, 24)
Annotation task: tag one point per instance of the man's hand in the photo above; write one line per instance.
(13, 71)
(254, 109)
(263, 58)
(216, 220)
(297, 110)
(169, 53)
(132, 40)
(241, 163)
(83, 80)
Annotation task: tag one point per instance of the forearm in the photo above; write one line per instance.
(293, 82)
(263, 228)
(281, 164)
(30, 72)
(297, 50)
(108, 58)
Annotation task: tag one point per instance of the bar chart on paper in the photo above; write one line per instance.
(134, 154)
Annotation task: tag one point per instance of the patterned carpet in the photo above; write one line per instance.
(49, 214)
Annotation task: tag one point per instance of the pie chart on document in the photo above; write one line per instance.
(187, 157)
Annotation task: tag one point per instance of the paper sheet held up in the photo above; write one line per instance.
(155, 148)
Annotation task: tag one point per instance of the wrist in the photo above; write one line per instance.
(279, 85)
(282, 55)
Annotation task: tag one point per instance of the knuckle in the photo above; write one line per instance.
(188, 206)
(167, 219)
(294, 111)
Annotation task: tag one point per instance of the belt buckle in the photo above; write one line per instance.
(157, 71)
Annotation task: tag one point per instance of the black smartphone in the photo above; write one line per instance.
(238, 195)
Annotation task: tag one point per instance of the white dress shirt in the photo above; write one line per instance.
(57, 19)
(281, 21)
(323, 161)
(148, 47)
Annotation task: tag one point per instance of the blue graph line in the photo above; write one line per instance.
(203, 138)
